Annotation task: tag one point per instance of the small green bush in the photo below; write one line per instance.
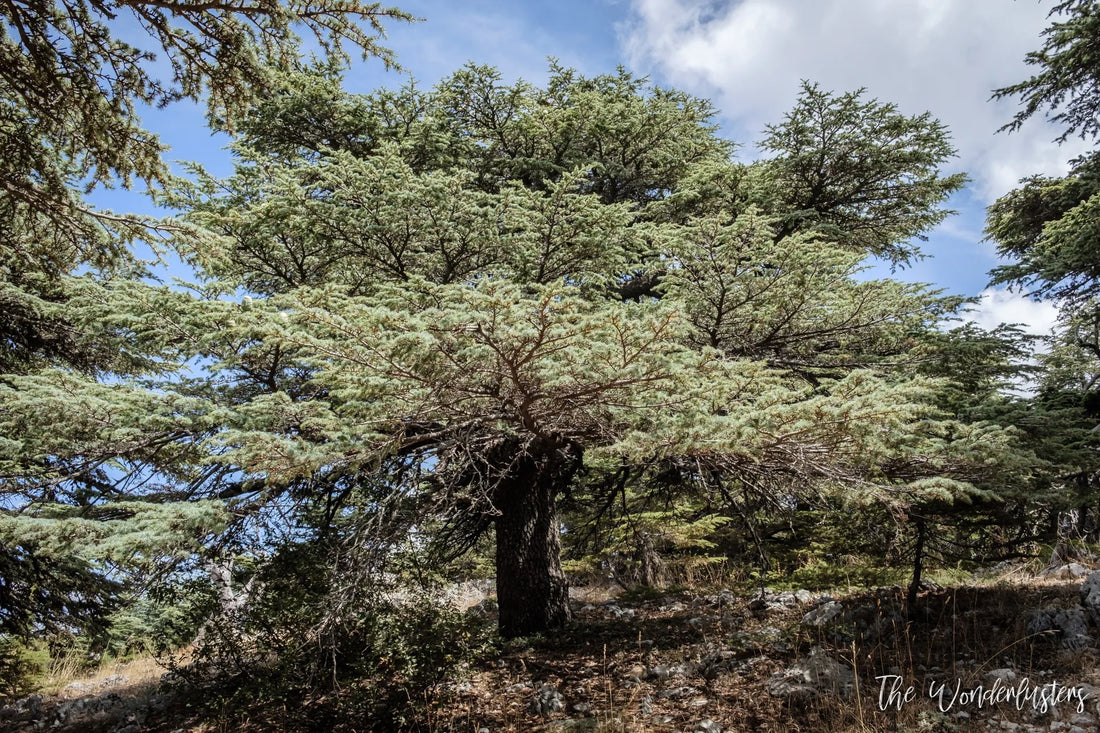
(22, 667)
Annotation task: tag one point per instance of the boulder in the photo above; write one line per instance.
(677, 693)
(768, 601)
(1004, 675)
(621, 613)
(812, 676)
(823, 615)
(803, 596)
(720, 662)
(1068, 625)
(547, 700)
(1072, 570)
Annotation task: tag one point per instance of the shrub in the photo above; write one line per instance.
(22, 667)
(374, 658)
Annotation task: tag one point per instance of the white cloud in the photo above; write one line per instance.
(942, 56)
(999, 306)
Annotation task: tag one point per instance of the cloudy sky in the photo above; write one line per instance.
(748, 56)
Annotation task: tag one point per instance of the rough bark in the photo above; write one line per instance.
(918, 566)
(650, 561)
(532, 592)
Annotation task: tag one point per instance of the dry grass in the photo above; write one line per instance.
(599, 664)
(66, 679)
(595, 594)
(961, 633)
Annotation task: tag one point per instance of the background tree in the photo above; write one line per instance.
(1048, 230)
(859, 172)
(1048, 225)
(1068, 68)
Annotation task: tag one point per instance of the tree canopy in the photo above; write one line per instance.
(472, 298)
(73, 78)
(1068, 69)
(1047, 229)
(542, 330)
(1047, 225)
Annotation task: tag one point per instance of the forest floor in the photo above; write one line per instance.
(717, 661)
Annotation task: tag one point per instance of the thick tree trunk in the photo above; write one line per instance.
(532, 592)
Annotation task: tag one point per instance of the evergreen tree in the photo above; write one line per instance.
(1068, 70)
(477, 299)
(72, 78)
(859, 172)
(1048, 229)
(1048, 226)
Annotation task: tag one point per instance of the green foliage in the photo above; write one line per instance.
(128, 532)
(73, 87)
(849, 574)
(833, 543)
(858, 172)
(649, 547)
(794, 301)
(982, 366)
(1069, 62)
(1048, 227)
(22, 666)
(430, 303)
(46, 593)
(71, 90)
(160, 622)
(634, 140)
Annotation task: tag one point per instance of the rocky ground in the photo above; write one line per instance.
(1001, 657)
(800, 661)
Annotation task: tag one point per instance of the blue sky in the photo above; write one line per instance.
(748, 56)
